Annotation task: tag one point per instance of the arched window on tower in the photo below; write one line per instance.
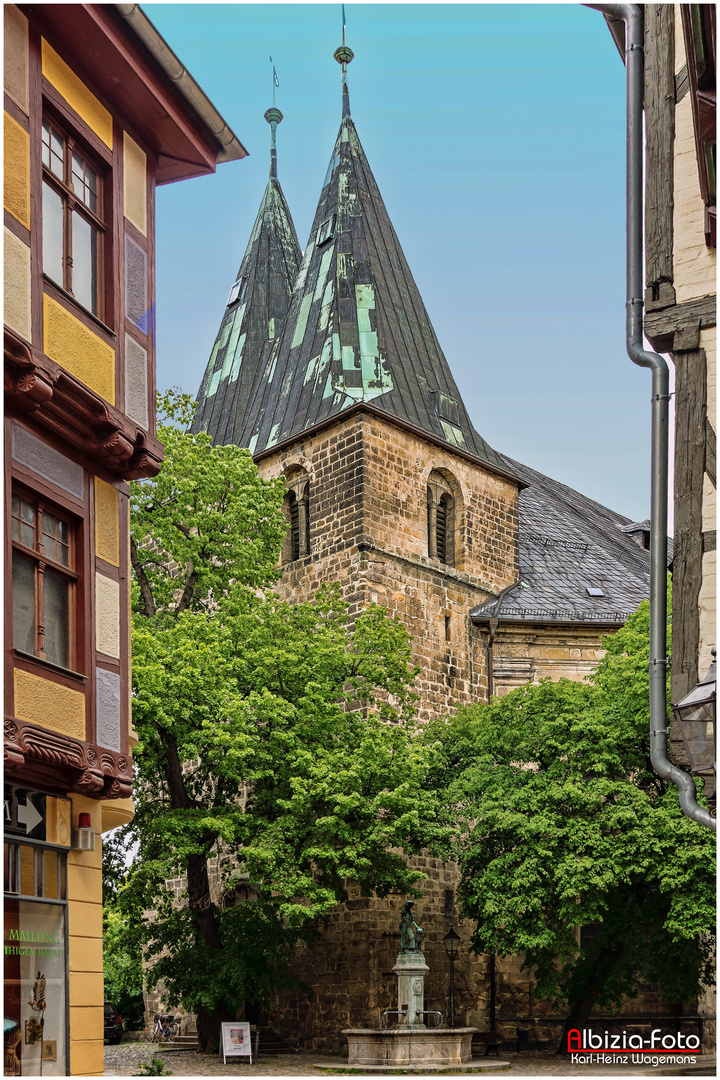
(441, 519)
(296, 508)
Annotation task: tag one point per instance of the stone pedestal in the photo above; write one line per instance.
(411, 969)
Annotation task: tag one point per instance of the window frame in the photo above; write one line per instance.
(42, 563)
(100, 219)
(296, 507)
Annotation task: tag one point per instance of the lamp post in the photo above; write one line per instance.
(695, 715)
(451, 941)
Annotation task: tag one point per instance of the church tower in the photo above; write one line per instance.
(330, 372)
(390, 490)
(255, 312)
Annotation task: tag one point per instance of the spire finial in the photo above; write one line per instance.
(273, 117)
(344, 55)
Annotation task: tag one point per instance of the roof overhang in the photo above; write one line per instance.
(122, 56)
(609, 620)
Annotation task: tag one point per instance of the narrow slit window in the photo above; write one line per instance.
(294, 525)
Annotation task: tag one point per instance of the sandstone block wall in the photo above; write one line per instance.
(368, 531)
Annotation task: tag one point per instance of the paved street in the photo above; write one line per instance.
(125, 1060)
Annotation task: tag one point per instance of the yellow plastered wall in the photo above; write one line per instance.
(49, 705)
(17, 56)
(78, 349)
(107, 616)
(135, 183)
(85, 956)
(17, 171)
(77, 95)
(17, 287)
(107, 522)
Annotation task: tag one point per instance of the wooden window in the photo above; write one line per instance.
(73, 225)
(43, 581)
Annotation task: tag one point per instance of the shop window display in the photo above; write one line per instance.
(35, 1021)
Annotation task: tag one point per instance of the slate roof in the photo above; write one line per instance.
(569, 544)
(357, 330)
(256, 310)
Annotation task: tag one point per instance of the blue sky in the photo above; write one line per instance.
(496, 135)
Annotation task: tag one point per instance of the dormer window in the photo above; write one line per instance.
(326, 231)
(238, 291)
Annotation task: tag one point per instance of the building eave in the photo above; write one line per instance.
(367, 407)
(118, 51)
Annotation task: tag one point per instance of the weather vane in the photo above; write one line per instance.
(343, 22)
(275, 78)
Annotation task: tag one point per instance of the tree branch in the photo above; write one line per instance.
(188, 593)
(149, 607)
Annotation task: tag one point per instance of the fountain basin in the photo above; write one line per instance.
(409, 1046)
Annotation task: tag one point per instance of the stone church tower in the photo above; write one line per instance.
(391, 491)
(330, 372)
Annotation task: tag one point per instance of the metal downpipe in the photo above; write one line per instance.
(632, 16)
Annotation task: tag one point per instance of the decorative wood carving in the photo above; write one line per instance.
(62, 404)
(41, 757)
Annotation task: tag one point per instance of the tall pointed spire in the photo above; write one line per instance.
(344, 56)
(357, 332)
(256, 309)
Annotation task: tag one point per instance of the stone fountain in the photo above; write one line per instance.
(412, 1042)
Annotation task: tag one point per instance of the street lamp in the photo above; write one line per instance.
(451, 941)
(696, 718)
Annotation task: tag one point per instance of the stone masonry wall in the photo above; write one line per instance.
(368, 532)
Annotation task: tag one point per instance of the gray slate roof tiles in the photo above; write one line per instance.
(569, 544)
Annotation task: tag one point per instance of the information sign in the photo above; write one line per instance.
(33, 815)
(236, 1041)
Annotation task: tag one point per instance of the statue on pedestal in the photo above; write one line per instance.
(411, 935)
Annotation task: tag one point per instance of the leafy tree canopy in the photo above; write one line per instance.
(562, 822)
(275, 751)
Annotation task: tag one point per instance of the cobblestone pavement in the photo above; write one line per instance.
(125, 1060)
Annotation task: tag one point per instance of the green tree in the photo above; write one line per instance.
(122, 967)
(275, 744)
(561, 821)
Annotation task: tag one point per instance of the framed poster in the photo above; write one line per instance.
(236, 1041)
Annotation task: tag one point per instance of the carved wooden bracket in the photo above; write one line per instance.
(61, 403)
(41, 758)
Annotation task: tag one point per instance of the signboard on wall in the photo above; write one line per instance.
(34, 815)
(235, 1041)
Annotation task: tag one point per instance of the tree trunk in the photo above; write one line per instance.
(199, 901)
(580, 1011)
